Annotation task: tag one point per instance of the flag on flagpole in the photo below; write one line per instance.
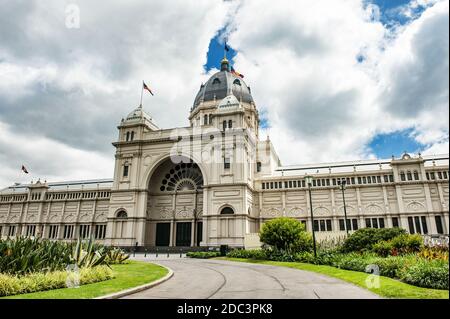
(236, 73)
(24, 169)
(146, 87)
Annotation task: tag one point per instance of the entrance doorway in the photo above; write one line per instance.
(162, 234)
(199, 233)
(183, 234)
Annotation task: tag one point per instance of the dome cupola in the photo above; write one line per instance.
(222, 84)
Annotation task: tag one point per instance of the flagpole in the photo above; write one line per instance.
(142, 91)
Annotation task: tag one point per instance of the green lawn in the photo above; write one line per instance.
(389, 288)
(131, 274)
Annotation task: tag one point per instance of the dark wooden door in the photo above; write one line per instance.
(183, 234)
(162, 234)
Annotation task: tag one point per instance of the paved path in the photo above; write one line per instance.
(203, 279)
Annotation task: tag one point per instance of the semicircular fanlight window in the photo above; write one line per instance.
(182, 177)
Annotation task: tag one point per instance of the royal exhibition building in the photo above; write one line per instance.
(216, 181)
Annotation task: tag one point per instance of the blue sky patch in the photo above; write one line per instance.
(395, 143)
(216, 51)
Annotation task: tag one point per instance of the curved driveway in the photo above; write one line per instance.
(203, 279)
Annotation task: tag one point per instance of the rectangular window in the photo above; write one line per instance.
(368, 223)
(295, 183)
(322, 225)
(379, 179)
(391, 178)
(280, 185)
(226, 163)
(381, 222)
(290, 184)
(439, 228)
(374, 223)
(316, 225)
(12, 231)
(355, 224)
(100, 231)
(258, 166)
(394, 222)
(445, 175)
(31, 230)
(411, 225)
(125, 170)
(53, 232)
(303, 183)
(417, 224)
(353, 180)
(386, 178)
(341, 225)
(424, 225)
(349, 224)
(271, 185)
(84, 231)
(329, 228)
(68, 231)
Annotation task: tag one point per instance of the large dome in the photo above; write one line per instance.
(222, 84)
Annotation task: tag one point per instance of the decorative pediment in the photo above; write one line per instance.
(321, 211)
(85, 217)
(271, 212)
(100, 217)
(69, 218)
(374, 208)
(351, 210)
(415, 206)
(295, 212)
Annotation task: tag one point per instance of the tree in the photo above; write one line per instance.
(286, 234)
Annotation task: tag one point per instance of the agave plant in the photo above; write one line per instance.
(117, 256)
(88, 254)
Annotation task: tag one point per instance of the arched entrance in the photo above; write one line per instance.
(175, 204)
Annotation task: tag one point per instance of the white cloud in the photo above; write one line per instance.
(62, 91)
(301, 62)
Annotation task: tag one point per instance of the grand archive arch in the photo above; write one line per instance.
(215, 182)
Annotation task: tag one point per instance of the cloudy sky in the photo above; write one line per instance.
(333, 80)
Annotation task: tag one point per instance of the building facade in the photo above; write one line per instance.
(216, 182)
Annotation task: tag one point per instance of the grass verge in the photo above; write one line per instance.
(128, 275)
(389, 288)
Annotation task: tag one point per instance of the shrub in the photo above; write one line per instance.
(383, 248)
(203, 254)
(434, 252)
(429, 274)
(407, 243)
(259, 254)
(363, 239)
(286, 234)
(13, 284)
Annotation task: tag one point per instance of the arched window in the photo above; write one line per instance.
(416, 175)
(122, 214)
(205, 119)
(237, 82)
(216, 81)
(230, 124)
(127, 136)
(227, 211)
(132, 136)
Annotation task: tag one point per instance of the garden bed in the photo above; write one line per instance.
(128, 275)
